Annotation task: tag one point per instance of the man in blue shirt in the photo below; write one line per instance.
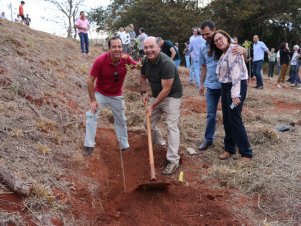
(208, 74)
(195, 46)
(258, 56)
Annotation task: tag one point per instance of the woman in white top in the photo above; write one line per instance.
(232, 73)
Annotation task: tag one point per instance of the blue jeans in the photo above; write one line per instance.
(271, 69)
(196, 70)
(257, 71)
(212, 99)
(187, 59)
(294, 74)
(84, 42)
(177, 63)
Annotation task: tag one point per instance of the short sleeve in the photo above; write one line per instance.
(264, 47)
(96, 68)
(168, 70)
(202, 58)
(143, 68)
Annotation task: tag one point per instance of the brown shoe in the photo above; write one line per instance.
(224, 156)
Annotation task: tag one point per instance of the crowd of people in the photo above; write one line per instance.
(286, 61)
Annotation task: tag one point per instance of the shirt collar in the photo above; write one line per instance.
(157, 60)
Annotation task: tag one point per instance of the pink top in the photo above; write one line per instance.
(103, 69)
(83, 25)
(231, 68)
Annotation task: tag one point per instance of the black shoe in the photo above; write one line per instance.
(87, 151)
(204, 146)
(258, 87)
(125, 149)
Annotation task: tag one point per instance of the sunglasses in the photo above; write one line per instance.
(116, 76)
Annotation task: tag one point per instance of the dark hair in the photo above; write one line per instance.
(282, 46)
(141, 29)
(81, 12)
(213, 48)
(113, 38)
(22, 2)
(207, 23)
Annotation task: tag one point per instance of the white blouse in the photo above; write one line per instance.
(231, 68)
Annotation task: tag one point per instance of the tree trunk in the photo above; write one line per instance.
(16, 185)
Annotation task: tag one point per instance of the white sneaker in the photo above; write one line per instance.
(279, 86)
(299, 87)
(170, 168)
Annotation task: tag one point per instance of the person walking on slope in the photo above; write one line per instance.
(109, 71)
(82, 24)
(21, 10)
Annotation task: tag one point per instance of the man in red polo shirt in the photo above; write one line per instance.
(109, 71)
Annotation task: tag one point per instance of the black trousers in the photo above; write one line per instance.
(235, 132)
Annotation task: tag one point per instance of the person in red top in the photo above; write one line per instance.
(108, 74)
(21, 10)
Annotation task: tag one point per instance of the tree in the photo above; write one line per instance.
(169, 19)
(70, 9)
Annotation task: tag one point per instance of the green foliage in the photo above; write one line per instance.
(169, 19)
(273, 21)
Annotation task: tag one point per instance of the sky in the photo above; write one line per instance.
(44, 16)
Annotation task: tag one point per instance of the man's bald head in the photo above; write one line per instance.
(150, 39)
(151, 48)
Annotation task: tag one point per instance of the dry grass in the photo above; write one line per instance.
(275, 172)
(42, 104)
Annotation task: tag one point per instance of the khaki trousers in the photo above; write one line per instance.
(171, 108)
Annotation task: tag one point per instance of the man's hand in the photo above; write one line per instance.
(94, 106)
(149, 110)
(236, 101)
(238, 50)
(202, 90)
(145, 98)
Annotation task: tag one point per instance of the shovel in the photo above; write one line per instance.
(153, 184)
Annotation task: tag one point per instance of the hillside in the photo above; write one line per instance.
(43, 101)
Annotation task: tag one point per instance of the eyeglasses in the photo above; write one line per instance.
(219, 39)
(116, 76)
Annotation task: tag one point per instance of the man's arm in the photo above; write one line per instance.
(143, 84)
(203, 77)
(93, 102)
(269, 53)
(173, 53)
(239, 50)
(166, 87)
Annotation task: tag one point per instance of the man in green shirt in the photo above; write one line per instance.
(167, 90)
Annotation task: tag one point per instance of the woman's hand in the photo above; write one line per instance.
(236, 101)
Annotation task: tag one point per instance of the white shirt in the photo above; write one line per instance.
(125, 38)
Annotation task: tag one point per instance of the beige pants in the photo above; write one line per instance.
(171, 108)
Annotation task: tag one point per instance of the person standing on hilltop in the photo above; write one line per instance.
(21, 10)
(108, 74)
(82, 24)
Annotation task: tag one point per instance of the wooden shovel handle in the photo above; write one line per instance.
(150, 146)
